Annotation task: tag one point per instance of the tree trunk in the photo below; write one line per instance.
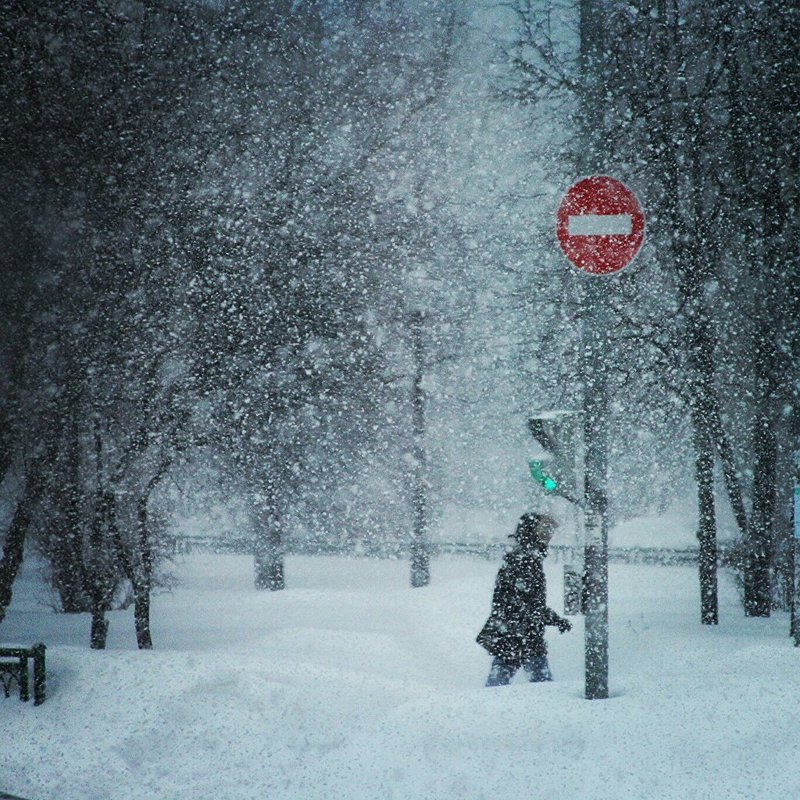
(13, 553)
(269, 572)
(700, 347)
(420, 545)
(14, 545)
(139, 571)
(99, 632)
(782, 572)
(68, 567)
(142, 585)
(757, 594)
(101, 575)
(141, 619)
(692, 267)
(707, 526)
(729, 471)
(767, 368)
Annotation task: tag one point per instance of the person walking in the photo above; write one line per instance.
(514, 632)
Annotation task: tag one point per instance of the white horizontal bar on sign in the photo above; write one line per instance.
(600, 225)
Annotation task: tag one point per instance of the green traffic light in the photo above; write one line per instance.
(540, 476)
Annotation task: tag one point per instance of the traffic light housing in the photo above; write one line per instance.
(555, 466)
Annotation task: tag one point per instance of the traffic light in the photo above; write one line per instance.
(555, 466)
(538, 473)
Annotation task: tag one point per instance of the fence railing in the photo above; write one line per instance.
(670, 556)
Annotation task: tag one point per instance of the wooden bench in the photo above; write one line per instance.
(14, 667)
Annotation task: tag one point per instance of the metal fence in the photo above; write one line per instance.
(493, 551)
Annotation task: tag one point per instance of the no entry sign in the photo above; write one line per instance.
(600, 225)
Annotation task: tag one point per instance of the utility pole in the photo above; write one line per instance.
(420, 546)
(595, 391)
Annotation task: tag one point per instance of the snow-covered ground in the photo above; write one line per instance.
(349, 684)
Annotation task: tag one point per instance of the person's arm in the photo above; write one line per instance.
(551, 618)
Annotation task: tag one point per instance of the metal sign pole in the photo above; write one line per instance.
(795, 623)
(595, 504)
(595, 397)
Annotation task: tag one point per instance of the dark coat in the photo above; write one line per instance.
(514, 631)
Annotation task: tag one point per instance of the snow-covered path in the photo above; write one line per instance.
(349, 684)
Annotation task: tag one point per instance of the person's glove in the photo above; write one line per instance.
(564, 625)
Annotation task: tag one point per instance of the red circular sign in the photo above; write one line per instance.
(600, 225)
